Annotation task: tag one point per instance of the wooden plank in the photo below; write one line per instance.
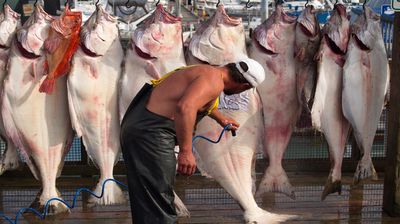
(391, 198)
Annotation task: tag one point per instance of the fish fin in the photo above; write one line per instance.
(47, 85)
(33, 71)
(340, 61)
(13, 133)
(46, 66)
(180, 208)
(331, 187)
(300, 54)
(66, 149)
(152, 70)
(387, 95)
(9, 160)
(318, 55)
(273, 181)
(259, 215)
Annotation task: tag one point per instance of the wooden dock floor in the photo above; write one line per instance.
(209, 203)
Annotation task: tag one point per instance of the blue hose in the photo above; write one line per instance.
(210, 140)
(43, 216)
(77, 193)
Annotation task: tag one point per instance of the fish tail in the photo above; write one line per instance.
(47, 86)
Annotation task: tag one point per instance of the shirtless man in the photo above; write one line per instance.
(163, 115)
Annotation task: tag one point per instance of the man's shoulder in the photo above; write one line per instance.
(205, 69)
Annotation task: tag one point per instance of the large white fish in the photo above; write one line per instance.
(93, 101)
(365, 82)
(273, 47)
(308, 38)
(220, 40)
(37, 123)
(9, 22)
(326, 113)
(156, 48)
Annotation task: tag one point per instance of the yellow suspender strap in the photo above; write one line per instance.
(213, 107)
(156, 82)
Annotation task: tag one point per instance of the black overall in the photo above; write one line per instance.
(147, 142)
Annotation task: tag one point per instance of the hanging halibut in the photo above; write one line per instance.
(220, 40)
(326, 113)
(273, 47)
(365, 82)
(308, 38)
(93, 102)
(9, 22)
(156, 48)
(37, 123)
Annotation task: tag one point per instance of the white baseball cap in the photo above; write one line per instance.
(254, 74)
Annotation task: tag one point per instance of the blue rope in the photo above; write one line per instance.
(77, 193)
(43, 216)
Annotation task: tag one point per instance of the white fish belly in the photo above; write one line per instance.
(94, 104)
(37, 123)
(279, 98)
(364, 88)
(230, 161)
(326, 112)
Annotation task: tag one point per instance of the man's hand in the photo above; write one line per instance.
(223, 120)
(227, 120)
(186, 163)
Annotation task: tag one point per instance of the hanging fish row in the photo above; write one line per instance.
(344, 86)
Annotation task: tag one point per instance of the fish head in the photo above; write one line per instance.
(219, 40)
(9, 21)
(99, 31)
(308, 22)
(337, 30)
(35, 31)
(160, 36)
(273, 36)
(71, 22)
(366, 30)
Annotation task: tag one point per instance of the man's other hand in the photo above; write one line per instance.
(228, 120)
(186, 163)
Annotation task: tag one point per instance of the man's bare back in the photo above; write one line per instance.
(190, 87)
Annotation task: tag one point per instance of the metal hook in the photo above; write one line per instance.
(4, 3)
(217, 3)
(97, 2)
(158, 2)
(66, 2)
(365, 1)
(306, 4)
(248, 4)
(126, 4)
(35, 3)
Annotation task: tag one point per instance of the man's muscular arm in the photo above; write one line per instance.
(200, 92)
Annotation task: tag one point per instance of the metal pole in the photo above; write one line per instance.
(264, 10)
(391, 192)
(178, 11)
